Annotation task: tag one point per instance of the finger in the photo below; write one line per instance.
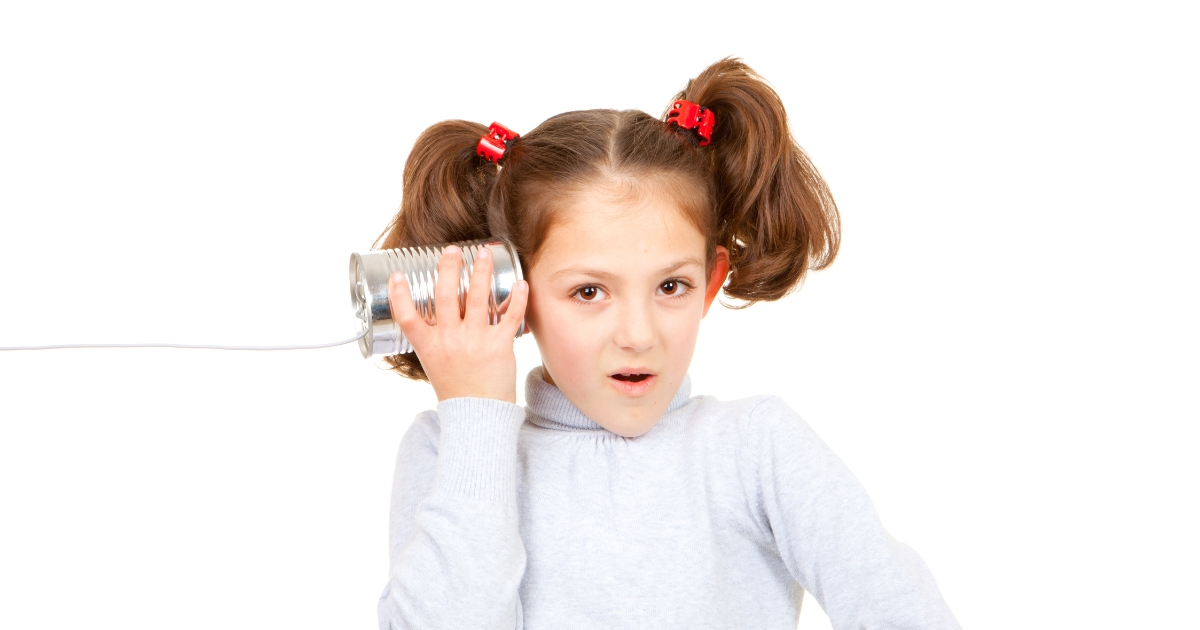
(404, 312)
(481, 287)
(514, 315)
(445, 293)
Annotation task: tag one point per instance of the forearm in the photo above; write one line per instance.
(461, 560)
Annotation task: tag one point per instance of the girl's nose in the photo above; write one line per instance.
(636, 330)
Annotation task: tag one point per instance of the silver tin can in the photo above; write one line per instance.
(369, 275)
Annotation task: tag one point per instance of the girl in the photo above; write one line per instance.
(617, 499)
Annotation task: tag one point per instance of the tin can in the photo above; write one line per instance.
(369, 275)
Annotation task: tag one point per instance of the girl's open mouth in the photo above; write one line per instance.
(632, 383)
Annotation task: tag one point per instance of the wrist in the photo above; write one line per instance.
(444, 395)
(477, 448)
(510, 399)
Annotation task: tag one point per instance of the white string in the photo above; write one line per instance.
(190, 346)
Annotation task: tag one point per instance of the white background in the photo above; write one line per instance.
(1005, 351)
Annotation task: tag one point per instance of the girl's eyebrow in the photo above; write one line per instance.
(608, 275)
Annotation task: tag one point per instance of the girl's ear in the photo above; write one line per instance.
(717, 279)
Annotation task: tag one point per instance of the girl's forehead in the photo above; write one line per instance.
(601, 225)
(646, 234)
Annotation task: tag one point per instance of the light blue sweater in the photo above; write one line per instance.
(718, 517)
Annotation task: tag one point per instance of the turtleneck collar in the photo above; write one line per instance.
(552, 410)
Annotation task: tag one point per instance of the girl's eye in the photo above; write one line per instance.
(589, 293)
(673, 288)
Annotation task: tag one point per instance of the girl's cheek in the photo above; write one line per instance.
(566, 328)
(573, 353)
(683, 325)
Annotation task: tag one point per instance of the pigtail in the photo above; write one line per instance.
(446, 186)
(775, 213)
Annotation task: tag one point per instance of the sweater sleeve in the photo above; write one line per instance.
(829, 534)
(457, 559)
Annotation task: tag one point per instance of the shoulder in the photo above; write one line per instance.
(753, 428)
(767, 435)
(751, 416)
(708, 407)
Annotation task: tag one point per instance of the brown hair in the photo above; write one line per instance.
(751, 190)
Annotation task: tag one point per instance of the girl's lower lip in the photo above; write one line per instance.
(629, 388)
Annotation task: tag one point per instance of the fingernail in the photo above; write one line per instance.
(484, 253)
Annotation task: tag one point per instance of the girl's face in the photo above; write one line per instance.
(615, 301)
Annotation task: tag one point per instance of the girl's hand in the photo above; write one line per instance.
(463, 356)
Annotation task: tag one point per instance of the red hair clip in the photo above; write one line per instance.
(495, 143)
(689, 115)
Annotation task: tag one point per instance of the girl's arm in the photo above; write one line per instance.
(830, 536)
(456, 553)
